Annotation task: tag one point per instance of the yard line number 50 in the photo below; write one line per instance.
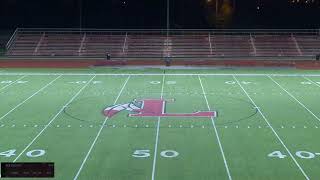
(144, 153)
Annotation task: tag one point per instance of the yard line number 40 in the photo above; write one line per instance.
(300, 154)
(32, 153)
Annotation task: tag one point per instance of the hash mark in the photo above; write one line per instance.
(293, 127)
(69, 126)
(13, 125)
(58, 125)
(91, 126)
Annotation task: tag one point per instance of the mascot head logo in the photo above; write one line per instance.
(151, 108)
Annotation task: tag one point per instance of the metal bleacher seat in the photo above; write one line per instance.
(236, 45)
(150, 45)
(159, 44)
(275, 45)
(308, 44)
(101, 44)
(190, 45)
(58, 45)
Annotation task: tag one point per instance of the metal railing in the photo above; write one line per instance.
(12, 38)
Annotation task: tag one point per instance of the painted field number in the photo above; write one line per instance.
(277, 154)
(167, 82)
(9, 82)
(35, 153)
(305, 155)
(84, 82)
(144, 153)
(299, 154)
(141, 153)
(242, 82)
(308, 83)
(169, 154)
(32, 153)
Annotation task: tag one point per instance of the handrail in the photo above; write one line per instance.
(8, 45)
(195, 31)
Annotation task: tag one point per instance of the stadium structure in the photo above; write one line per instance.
(159, 104)
(91, 47)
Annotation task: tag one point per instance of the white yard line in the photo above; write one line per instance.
(12, 83)
(99, 132)
(47, 125)
(274, 132)
(216, 132)
(157, 135)
(155, 74)
(29, 98)
(295, 99)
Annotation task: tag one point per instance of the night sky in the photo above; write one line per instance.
(146, 14)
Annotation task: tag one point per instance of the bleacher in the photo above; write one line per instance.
(158, 44)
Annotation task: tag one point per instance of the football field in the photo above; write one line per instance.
(153, 124)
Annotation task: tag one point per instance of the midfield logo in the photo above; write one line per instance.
(152, 108)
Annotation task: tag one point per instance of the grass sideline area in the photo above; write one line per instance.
(255, 123)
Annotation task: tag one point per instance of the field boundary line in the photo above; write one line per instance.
(98, 134)
(158, 74)
(17, 106)
(216, 132)
(305, 107)
(274, 132)
(4, 87)
(47, 125)
(157, 135)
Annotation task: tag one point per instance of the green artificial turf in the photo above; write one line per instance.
(267, 125)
